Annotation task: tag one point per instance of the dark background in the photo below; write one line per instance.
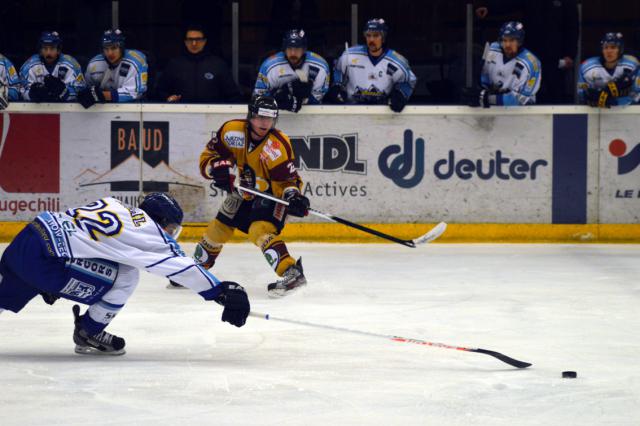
(430, 34)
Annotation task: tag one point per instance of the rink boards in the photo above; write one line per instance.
(500, 174)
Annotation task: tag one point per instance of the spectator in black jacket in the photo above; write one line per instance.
(197, 76)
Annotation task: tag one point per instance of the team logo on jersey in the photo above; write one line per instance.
(208, 75)
(78, 289)
(627, 162)
(234, 139)
(272, 150)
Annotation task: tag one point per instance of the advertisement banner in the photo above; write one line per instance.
(377, 168)
(29, 164)
(619, 169)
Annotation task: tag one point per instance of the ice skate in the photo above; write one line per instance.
(102, 343)
(292, 279)
(175, 286)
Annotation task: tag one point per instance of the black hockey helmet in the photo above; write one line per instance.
(294, 38)
(615, 39)
(165, 211)
(113, 38)
(263, 106)
(50, 38)
(376, 25)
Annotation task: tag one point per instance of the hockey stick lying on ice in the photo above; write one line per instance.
(498, 355)
(434, 233)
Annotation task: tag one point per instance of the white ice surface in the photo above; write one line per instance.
(561, 307)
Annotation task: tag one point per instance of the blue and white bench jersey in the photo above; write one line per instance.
(127, 80)
(66, 69)
(108, 229)
(594, 75)
(370, 80)
(516, 80)
(276, 71)
(10, 78)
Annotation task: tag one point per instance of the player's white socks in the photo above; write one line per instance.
(113, 301)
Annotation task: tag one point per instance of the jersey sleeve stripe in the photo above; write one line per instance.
(160, 261)
(181, 270)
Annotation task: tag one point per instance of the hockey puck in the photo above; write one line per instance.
(569, 374)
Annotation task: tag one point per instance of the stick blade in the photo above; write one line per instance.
(431, 235)
(504, 358)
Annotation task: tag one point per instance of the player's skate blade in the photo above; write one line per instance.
(292, 279)
(88, 350)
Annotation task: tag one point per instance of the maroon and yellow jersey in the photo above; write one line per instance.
(268, 164)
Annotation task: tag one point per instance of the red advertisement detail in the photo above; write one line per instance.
(30, 153)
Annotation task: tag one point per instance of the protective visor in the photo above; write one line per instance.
(173, 229)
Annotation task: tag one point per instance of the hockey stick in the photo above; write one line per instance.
(511, 361)
(434, 233)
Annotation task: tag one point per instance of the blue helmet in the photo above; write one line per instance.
(512, 29)
(613, 38)
(378, 25)
(50, 38)
(294, 38)
(113, 38)
(163, 209)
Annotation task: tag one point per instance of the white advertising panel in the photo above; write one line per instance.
(619, 169)
(370, 168)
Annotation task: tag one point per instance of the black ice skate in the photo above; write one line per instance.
(175, 286)
(292, 279)
(102, 343)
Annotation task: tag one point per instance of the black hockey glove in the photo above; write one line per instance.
(476, 97)
(286, 99)
(56, 89)
(335, 95)
(235, 302)
(301, 90)
(4, 96)
(621, 85)
(221, 175)
(298, 203)
(37, 92)
(599, 98)
(89, 96)
(397, 101)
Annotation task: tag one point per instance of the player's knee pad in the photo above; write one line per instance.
(260, 231)
(217, 233)
(124, 285)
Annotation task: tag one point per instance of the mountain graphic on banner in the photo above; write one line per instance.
(129, 172)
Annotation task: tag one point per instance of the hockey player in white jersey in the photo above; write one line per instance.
(511, 74)
(293, 76)
(50, 75)
(91, 255)
(10, 83)
(372, 74)
(116, 75)
(610, 79)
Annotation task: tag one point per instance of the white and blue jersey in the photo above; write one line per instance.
(126, 80)
(370, 80)
(594, 75)
(516, 81)
(66, 68)
(9, 77)
(109, 230)
(276, 71)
